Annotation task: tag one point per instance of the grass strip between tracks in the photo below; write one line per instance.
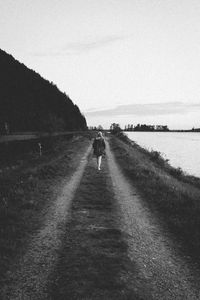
(93, 261)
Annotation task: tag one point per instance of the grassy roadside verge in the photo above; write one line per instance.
(172, 196)
(26, 192)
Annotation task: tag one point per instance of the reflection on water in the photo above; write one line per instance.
(181, 148)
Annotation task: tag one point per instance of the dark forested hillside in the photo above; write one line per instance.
(30, 103)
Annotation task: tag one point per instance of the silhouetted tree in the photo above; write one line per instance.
(100, 128)
(115, 128)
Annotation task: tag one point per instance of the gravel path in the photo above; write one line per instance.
(164, 274)
(108, 245)
(29, 279)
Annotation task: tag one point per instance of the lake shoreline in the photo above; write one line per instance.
(170, 194)
(180, 148)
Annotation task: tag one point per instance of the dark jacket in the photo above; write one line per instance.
(99, 146)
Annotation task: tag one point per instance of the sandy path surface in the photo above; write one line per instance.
(163, 273)
(29, 278)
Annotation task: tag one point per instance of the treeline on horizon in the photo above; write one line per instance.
(140, 127)
(144, 127)
(130, 127)
(29, 102)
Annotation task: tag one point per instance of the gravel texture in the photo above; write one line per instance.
(29, 279)
(99, 241)
(164, 274)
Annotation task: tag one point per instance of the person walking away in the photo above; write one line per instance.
(99, 148)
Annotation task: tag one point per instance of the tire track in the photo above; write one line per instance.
(165, 275)
(28, 280)
(93, 263)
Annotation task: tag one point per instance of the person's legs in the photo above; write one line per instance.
(99, 162)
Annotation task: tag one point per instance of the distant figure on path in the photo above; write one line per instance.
(99, 148)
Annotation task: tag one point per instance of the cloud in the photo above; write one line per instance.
(93, 44)
(152, 109)
(82, 46)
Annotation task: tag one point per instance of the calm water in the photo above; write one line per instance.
(181, 148)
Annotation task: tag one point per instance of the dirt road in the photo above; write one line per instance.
(164, 274)
(98, 241)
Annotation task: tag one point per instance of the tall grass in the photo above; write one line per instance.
(172, 196)
(26, 192)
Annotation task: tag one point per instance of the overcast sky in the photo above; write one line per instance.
(124, 61)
